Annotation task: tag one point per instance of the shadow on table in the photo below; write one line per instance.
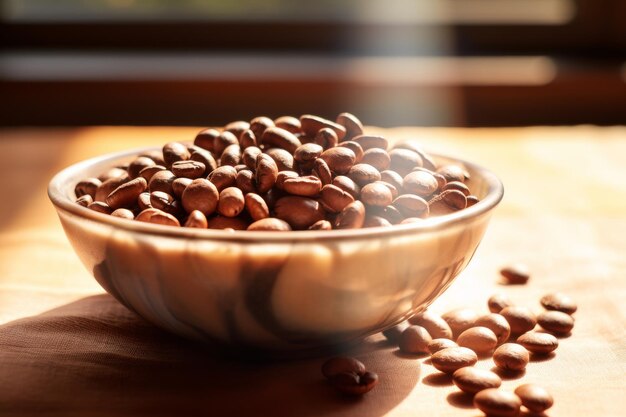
(95, 357)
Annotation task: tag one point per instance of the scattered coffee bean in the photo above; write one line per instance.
(450, 359)
(497, 324)
(439, 344)
(556, 322)
(480, 339)
(340, 364)
(534, 397)
(497, 403)
(498, 302)
(460, 319)
(354, 384)
(473, 380)
(559, 302)
(292, 124)
(511, 357)
(515, 274)
(393, 333)
(521, 319)
(538, 343)
(436, 326)
(414, 339)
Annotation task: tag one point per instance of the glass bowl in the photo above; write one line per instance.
(277, 291)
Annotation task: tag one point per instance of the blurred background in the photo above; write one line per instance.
(392, 62)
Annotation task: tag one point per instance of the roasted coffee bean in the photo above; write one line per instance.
(447, 202)
(231, 202)
(283, 176)
(223, 177)
(135, 167)
(460, 319)
(351, 123)
(511, 357)
(284, 160)
(392, 189)
(393, 333)
(497, 324)
(292, 124)
(104, 189)
(351, 217)
(308, 152)
(200, 195)
(196, 219)
(363, 174)
(249, 156)
(410, 205)
(256, 206)
(179, 185)
(559, 302)
(231, 155)
(347, 185)
(227, 223)
(188, 169)
(123, 214)
(393, 178)
(354, 147)
(376, 194)
(378, 158)
(450, 359)
(299, 212)
(498, 302)
(222, 141)
(480, 339)
(456, 185)
(245, 181)
(148, 172)
(497, 403)
(275, 137)
(162, 181)
(339, 159)
(164, 202)
(248, 139)
(538, 343)
(420, 183)
(556, 322)
(368, 142)
(206, 139)
(126, 194)
(521, 319)
(375, 221)
(321, 225)
(156, 155)
(403, 161)
(471, 200)
(270, 224)
(156, 216)
(427, 161)
(353, 384)
(88, 187)
(258, 126)
(308, 186)
(515, 274)
(312, 124)
(322, 171)
(84, 200)
(266, 173)
(100, 207)
(339, 364)
(113, 173)
(439, 344)
(534, 397)
(453, 173)
(143, 201)
(436, 326)
(205, 157)
(414, 339)
(473, 380)
(174, 151)
(390, 213)
(237, 127)
(334, 198)
(326, 138)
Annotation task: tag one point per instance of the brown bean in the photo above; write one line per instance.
(534, 397)
(246, 182)
(200, 195)
(393, 333)
(231, 202)
(363, 174)
(123, 213)
(156, 216)
(511, 357)
(162, 181)
(403, 161)
(439, 344)
(206, 138)
(471, 200)
(164, 202)
(460, 319)
(258, 126)
(266, 172)
(100, 207)
(222, 141)
(450, 359)
(420, 183)
(84, 200)
(248, 139)
(498, 302)
(347, 185)
(308, 152)
(188, 169)
(378, 158)
(521, 319)
(369, 141)
(280, 138)
(290, 123)
(427, 161)
(103, 191)
(480, 339)
(231, 155)
(538, 342)
(179, 185)
(156, 155)
(311, 124)
(352, 216)
(174, 151)
(410, 205)
(321, 225)
(197, 220)
(556, 322)
(308, 186)
(375, 221)
(326, 138)
(205, 157)
(497, 403)
(392, 178)
(497, 324)
(353, 384)
(322, 171)
(256, 206)
(457, 185)
(447, 202)
(114, 173)
(354, 147)
(223, 177)
(88, 187)
(392, 189)
(515, 274)
(414, 339)
(143, 201)
(284, 176)
(284, 160)
(126, 194)
(299, 212)
(139, 163)
(433, 323)
(472, 380)
(559, 302)
(237, 127)
(339, 364)
(376, 194)
(339, 159)
(148, 172)
(250, 155)
(227, 223)
(270, 224)
(351, 123)
(389, 213)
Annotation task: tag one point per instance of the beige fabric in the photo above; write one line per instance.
(65, 350)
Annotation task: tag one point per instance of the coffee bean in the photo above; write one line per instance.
(299, 212)
(453, 200)
(88, 187)
(249, 156)
(497, 324)
(453, 173)
(280, 138)
(354, 147)
(156, 155)
(460, 319)
(292, 124)
(248, 139)
(410, 205)
(156, 216)
(126, 194)
(174, 151)
(347, 185)
(308, 152)
(363, 174)
(376, 194)
(201, 195)
(339, 159)
(321, 225)
(403, 161)
(419, 183)
(393, 333)
(515, 274)
(497, 403)
(135, 167)
(270, 224)
(266, 173)
(206, 158)
(556, 322)
(368, 142)
(231, 202)
(352, 216)
(164, 202)
(162, 181)
(227, 223)
(231, 155)
(179, 185)
(237, 127)
(439, 344)
(537, 342)
(312, 124)
(521, 319)
(113, 173)
(84, 200)
(436, 326)
(222, 141)
(534, 397)
(308, 186)
(450, 359)
(471, 200)
(427, 160)
(414, 339)
(497, 302)
(258, 125)
(326, 138)
(472, 380)
(245, 181)
(480, 339)
(188, 169)
(143, 201)
(322, 171)
(393, 178)
(100, 207)
(206, 138)
(196, 219)
(375, 221)
(223, 177)
(511, 357)
(459, 186)
(256, 206)
(339, 364)
(559, 302)
(351, 123)
(148, 172)
(283, 176)
(353, 384)
(284, 160)
(123, 214)
(378, 158)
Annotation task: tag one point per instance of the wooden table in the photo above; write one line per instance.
(564, 214)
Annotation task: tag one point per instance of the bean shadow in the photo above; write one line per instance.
(438, 379)
(508, 375)
(94, 354)
(460, 399)
(542, 357)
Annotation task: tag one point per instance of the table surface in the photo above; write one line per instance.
(66, 348)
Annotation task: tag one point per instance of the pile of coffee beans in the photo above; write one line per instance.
(290, 173)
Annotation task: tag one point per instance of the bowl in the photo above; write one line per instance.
(275, 291)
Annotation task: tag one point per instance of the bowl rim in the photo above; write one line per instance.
(67, 175)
